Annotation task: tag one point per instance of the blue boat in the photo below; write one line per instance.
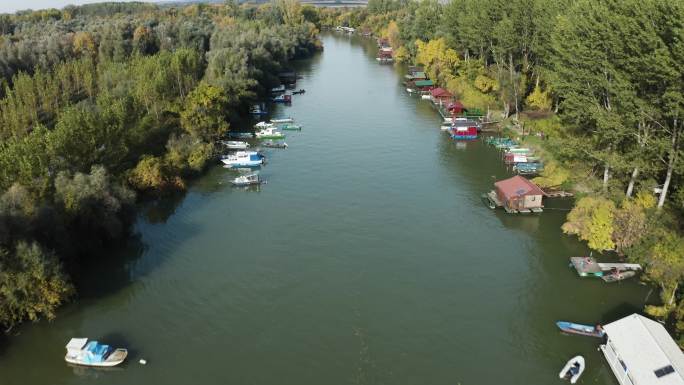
(584, 330)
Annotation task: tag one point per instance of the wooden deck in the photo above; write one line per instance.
(587, 266)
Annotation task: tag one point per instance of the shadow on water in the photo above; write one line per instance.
(160, 210)
(114, 265)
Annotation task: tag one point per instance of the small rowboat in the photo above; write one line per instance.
(298, 92)
(573, 369)
(584, 330)
(93, 353)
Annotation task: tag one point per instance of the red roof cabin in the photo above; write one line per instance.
(517, 194)
(456, 108)
(385, 55)
(441, 96)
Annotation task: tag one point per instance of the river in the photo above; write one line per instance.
(368, 258)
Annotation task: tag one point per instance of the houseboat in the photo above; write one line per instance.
(439, 96)
(640, 351)
(419, 86)
(385, 55)
(282, 120)
(243, 159)
(247, 180)
(516, 195)
(463, 132)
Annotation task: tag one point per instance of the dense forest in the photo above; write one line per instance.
(602, 80)
(101, 104)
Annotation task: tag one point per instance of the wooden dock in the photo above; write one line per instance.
(558, 194)
(587, 266)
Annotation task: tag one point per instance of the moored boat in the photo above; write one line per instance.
(247, 180)
(573, 369)
(258, 109)
(298, 92)
(282, 99)
(584, 330)
(93, 353)
(274, 144)
(243, 159)
(235, 144)
(290, 127)
(279, 89)
(240, 135)
(262, 125)
(282, 120)
(269, 133)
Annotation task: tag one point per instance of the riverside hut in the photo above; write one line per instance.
(440, 96)
(641, 352)
(517, 195)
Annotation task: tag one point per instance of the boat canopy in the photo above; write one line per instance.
(424, 83)
(76, 343)
(95, 352)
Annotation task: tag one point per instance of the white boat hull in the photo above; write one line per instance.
(115, 358)
(578, 362)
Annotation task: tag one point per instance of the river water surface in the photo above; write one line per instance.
(368, 258)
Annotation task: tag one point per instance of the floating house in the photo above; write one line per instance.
(464, 129)
(418, 75)
(440, 96)
(419, 86)
(641, 352)
(385, 55)
(516, 195)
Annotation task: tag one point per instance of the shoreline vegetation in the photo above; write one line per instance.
(104, 103)
(596, 86)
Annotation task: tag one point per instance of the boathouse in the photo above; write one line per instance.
(641, 352)
(518, 194)
(385, 55)
(419, 85)
(441, 96)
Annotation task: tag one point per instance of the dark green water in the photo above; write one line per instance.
(368, 258)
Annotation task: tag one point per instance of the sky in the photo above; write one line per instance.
(7, 6)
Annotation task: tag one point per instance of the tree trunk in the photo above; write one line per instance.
(632, 179)
(670, 165)
(606, 176)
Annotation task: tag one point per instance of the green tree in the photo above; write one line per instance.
(203, 113)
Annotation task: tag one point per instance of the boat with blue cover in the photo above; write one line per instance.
(80, 351)
(243, 159)
(584, 330)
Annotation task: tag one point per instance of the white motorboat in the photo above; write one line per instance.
(247, 180)
(243, 159)
(262, 125)
(445, 127)
(93, 353)
(235, 144)
(279, 89)
(269, 133)
(283, 120)
(572, 370)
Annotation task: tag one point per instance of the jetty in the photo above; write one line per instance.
(588, 267)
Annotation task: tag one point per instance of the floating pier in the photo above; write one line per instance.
(587, 266)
